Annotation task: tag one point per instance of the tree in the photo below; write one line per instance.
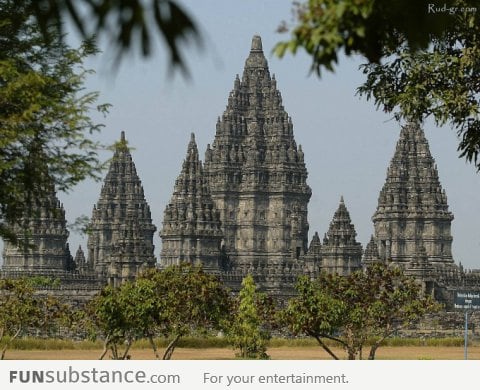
(314, 313)
(366, 27)
(174, 302)
(44, 113)
(249, 331)
(442, 82)
(423, 58)
(190, 301)
(118, 316)
(362, 307)
(126, 23)
(22, 309)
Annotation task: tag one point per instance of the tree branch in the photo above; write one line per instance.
(325, 347)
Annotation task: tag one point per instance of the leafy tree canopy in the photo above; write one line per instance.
(21, 309)
(370, 28)
(423, 56)
(126, 23)
(174, 302)
(442, 82)
(119, 316)
(190, 302)
(364, 306)
(44, 113)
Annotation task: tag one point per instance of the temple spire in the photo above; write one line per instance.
(254, 152)
(256, 58)
(41, 230)
(371, 255)
(256, 44)
(341, 253)
(191, 224)
(412, 206)
(122, 198)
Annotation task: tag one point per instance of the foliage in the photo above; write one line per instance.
(44, 113)
(249, 331)
(22, 309)
(120, 315)
(366, 27)
(189, 300)
(423, 57)
(441, 82)
(364, 307)
(174, 302)
(80, 225)
(314, 312)
(125, 23)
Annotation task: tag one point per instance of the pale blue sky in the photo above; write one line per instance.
(347, 143)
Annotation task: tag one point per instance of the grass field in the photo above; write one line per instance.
(309, 352)
(190, 348)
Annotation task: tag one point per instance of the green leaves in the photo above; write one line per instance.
(22, 308)
(353, 309)
(248, 331)
(324, 28)
(133, 23)
(440, 81)
(174, 302)
(45, 125)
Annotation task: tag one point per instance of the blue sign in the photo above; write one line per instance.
(467, 300)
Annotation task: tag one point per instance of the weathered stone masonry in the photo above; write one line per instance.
(244, 210)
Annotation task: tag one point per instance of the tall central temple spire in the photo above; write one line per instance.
(256, 172)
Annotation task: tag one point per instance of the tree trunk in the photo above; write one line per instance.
(170, 348)
(113, 348)
(325, 347)
(127, 348)
(351, 354)
(105, 348)
(4, 349)
(373, 350)
(154, 347)
(6, 344)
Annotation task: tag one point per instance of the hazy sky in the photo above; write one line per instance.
(347, 143)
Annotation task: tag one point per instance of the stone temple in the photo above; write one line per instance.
(243, 209)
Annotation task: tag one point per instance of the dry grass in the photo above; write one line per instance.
(281, 353)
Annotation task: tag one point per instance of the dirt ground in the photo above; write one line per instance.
(282, 353)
